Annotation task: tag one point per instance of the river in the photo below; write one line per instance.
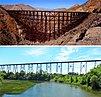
(52, 89)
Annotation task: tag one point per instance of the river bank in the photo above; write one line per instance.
(15, 86)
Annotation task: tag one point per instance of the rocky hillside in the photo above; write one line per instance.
(18, 7)
(73, 8)
(8, 29)
(60, 9)
(90, 6)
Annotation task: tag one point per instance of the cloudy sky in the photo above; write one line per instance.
(50, 4)
(39, 54)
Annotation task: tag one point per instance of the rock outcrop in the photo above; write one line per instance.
(93, 39)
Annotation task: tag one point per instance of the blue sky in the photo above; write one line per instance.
(33, 54)
(47, 54)
(50, 4)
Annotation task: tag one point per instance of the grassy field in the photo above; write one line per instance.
(15, 86)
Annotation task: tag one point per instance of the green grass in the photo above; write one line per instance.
(15, 86)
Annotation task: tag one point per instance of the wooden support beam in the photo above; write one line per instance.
(47, 24)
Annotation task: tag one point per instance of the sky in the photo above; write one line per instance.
(33, 54)
(49, 4)
(47, 54)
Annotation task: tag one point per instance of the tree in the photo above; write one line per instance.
(88, 81)
(17, 75)
(83, 80)
(1, 77)
(94, 82)
(76, 79)
(22, 75)
(71, 79)
(11, 75)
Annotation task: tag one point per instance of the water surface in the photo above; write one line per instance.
(51, 89)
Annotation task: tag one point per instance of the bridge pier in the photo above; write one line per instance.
(95, 64)
(70, 66)
(49, 68)
(30, 68)
(2, 68)
(83, 66)
(15, 68)
(8, 69)
(39, 67)
(59, 68)
(22, 67)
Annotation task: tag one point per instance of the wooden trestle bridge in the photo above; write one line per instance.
(46, 25)
(52, 67)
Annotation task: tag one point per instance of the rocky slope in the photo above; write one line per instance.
(8, 30)
(90, 6)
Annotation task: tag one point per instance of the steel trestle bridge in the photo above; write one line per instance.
(53, 67)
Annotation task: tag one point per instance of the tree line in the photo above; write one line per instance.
(91, 79)
(22, 75)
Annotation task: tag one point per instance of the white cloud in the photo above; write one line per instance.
(96, 51)
(92, 54)
(65, 53)
(37, 51)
